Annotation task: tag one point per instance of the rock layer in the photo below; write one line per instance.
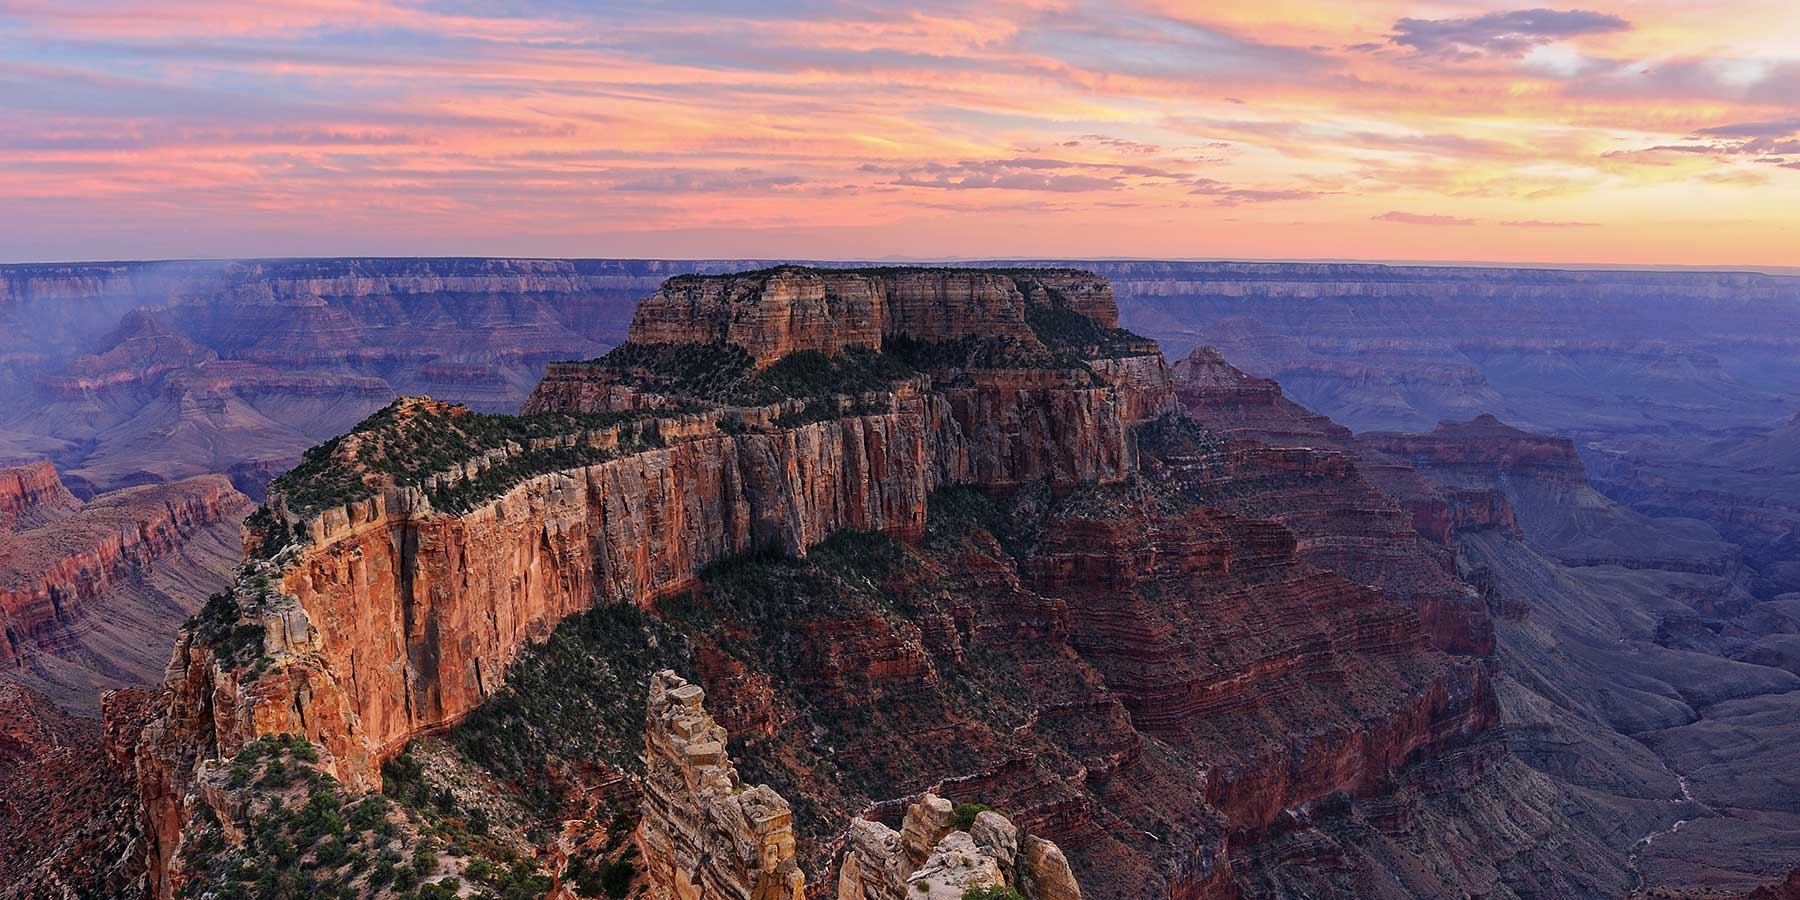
(65, 584)
(1185, 659)
(391, 618)
(704, 834)
(775, 312)
(32, 495)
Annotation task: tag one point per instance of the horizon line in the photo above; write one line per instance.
(1791, 270)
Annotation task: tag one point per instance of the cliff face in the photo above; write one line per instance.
(32, 495)
(85, 597)
(1488, 445)
(412, 618)
(1355, 510)
(1008, 571)
(1545, 485)
(391, 617)
(776, 312)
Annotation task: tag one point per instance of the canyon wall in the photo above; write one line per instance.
(86, 597)
(390, 618)
(1206, 654)
(32, 495)
(788, 309)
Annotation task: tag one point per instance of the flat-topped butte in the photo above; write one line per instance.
(1058, 321)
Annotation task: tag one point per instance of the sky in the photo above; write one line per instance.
(1655, 132)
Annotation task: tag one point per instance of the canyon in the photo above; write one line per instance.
(1668, 381)
(933, 532)
(89, 592)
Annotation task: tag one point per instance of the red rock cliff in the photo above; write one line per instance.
(49, 573)
(392, 617)
(32, 495)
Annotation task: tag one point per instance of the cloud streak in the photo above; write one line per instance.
(945, 127)
(1407, 218)
(1507, 34)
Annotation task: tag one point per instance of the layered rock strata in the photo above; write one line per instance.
(389, 616)
(775, 312)
(1188, 660)
(54, 576)
(705, 835)
(32, 495)
(1545, 485)
(1337, 495)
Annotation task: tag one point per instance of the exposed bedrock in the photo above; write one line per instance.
(32, 495)
(705, 834)
(775, 312)
(1185, 655)
(83, 587)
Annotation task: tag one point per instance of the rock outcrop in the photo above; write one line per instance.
(1545, 486)
(705, 835)
(776, 312)
(32, 495)
(932, 859)
(391, 597)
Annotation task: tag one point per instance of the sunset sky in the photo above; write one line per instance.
(1655, 132)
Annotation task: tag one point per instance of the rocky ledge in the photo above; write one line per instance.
(398, 570)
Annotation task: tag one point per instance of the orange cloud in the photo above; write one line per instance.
(1146, 128)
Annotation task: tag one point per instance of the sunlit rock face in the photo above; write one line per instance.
(1183, 658)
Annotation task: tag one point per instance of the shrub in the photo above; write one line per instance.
(965, 813)
(615, 877)
(992, 892)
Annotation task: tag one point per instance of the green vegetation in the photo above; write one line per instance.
(993, 892)
(723, 373)
(409, 441)
(1064, 329)
(597, 876)
(304, 837)
(699, 370)
(831, 408)
(456, 821)
(219, 624)
(995, 352)
(964, 814)
(1173, 434)
(578, 697)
